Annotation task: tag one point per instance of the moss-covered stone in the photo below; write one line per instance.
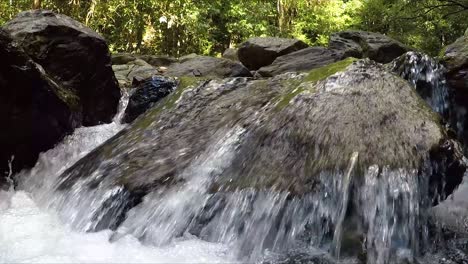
(325, 71)
(308, 82)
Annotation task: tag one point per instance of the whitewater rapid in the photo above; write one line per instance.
(31, 231)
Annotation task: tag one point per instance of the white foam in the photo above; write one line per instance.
(29, 234)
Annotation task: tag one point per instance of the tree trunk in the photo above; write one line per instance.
(37, 4)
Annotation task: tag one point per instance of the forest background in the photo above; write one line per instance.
(179, 27)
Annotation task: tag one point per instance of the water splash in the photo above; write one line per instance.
(428, 77)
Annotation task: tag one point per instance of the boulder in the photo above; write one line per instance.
(302, 60)
(149, 92)
(204, 66)
(297, 135)
(362, 44)
(231, 54)
(35, 112)
(262, 51)
(74, 56)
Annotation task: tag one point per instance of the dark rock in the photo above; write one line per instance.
(455, 59)
(258, 52)
(74, 56)
(146, 95)
(33, 109)
(302, 60)
(203, 66)
(362, 44)
(231, 54)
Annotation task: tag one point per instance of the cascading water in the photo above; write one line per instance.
(238, 170)
(428, 77)
(31, 231)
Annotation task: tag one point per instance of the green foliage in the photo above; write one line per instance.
(179, 27)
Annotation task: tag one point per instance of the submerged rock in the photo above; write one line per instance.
(342, 157)
(146, 95)
(75, 57)
(262, 51)
(362, 44)
(33, 109)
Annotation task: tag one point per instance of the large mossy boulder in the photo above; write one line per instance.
(74, 56)
(362, 44)
(262, 51)
(292, 128)
(347, 153)
(302, 61)
(33, 109)
(204, 66)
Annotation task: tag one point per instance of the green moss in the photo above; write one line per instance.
(315, 75)
(325, 71)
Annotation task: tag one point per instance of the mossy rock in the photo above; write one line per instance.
(364, 109)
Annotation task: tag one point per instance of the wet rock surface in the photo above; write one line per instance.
(75, 57)
(33, 111)
(259, 52)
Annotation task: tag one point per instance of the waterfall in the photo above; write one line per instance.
(428, 77)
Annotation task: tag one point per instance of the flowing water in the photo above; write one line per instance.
(373, 215)
(31, 231)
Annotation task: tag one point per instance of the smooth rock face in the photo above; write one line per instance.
(33, 113)
(262, 51)
(146, 95)
(362, 44)
(203, 66)
(302, 60)
(74, 56)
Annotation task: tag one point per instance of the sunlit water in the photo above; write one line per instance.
(30, 232)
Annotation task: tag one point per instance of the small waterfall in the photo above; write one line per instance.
(428, 77)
